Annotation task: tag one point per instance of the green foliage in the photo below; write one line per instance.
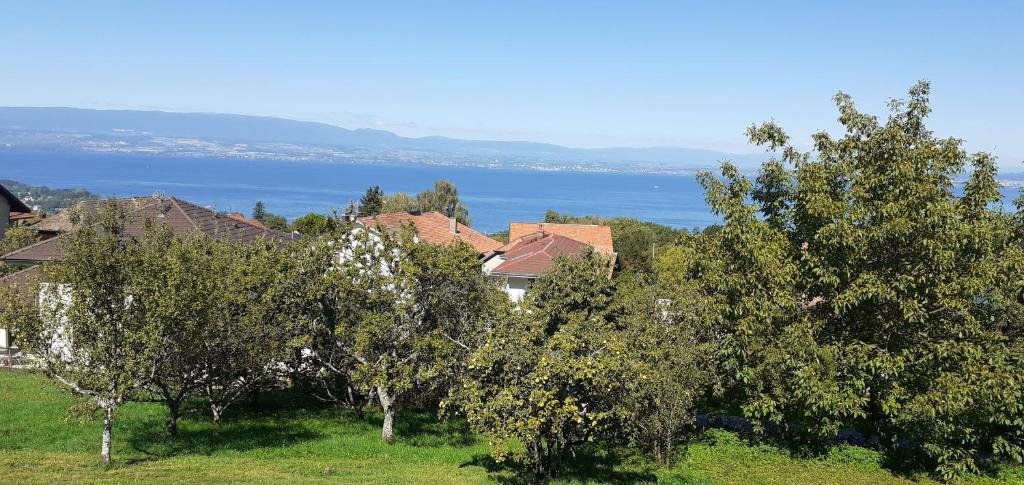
(635, 241)
(92, 332)
(16, 238)
(574, 287)
(372, 202)
(443, 198)
(273, 221)
(551, 376)
(858, 287)
(391, 315)
(48, 200)
(316, 224)
(674, 364)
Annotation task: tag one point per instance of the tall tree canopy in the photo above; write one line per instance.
(443, 198)
(856, 283)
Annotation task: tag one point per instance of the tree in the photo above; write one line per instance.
(94, 336)
(315, 224)
(575, 287)
(398, 202)
(183, 291)
(550, 388)
(16, 238)
(860, 286)
(673, 361)
(443, 198)
(246, 346)
(378, 322)
(434, 298)
(372, 202)
(259, 211)
(273, 221)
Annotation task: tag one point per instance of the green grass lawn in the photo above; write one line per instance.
(288, 439)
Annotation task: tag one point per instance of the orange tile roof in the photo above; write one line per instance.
(598, 236)
(252, 222)
(534, 254)
(433, 227)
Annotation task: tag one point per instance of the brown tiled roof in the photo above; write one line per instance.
(16, 204)
(21, 280)
(434, 228)
(61, 222)
(181, 216)
(600, 237)
(21, 216)
(532, 255)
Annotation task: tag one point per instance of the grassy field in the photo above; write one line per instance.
(286, 439)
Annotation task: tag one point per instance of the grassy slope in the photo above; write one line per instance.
(285, 441)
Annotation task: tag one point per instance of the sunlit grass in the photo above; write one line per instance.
(285, 438)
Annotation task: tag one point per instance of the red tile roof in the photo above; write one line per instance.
(433, 228)
(534, 254)
(598, 236)
(181, 216)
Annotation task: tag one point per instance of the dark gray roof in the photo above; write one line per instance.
(16, 204)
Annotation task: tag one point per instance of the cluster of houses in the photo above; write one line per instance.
(529, 254)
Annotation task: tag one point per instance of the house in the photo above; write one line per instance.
(600, 237)
(433, 228)
(67, 220)
(530, 255)
(180, 216)
(10, 206)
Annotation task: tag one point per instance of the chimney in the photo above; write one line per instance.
(453, 226)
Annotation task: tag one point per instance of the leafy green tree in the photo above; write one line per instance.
(259, 211)
(372, 202)
(273, 221)
(183, 291)
(93, 335)
(246, 346)
(550, 388)
(673, 361)
(398, 202)
(315, 224)
(421, 302)
(575, 287)
(16, 238)
(380, 323)
(443, 198)
(860, 286)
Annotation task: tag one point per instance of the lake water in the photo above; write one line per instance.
(494, 197)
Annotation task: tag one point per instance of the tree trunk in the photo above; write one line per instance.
(355, 402)
(174, 408)
(108, 431)
(215, 411)
(387, 404)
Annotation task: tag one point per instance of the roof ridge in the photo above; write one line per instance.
(174, 201)
(37, 243)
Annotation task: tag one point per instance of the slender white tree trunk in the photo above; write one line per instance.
(108, 430)
(387, 404)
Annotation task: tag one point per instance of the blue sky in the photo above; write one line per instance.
(587, 74)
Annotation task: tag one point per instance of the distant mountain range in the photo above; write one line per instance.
(259, 136)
